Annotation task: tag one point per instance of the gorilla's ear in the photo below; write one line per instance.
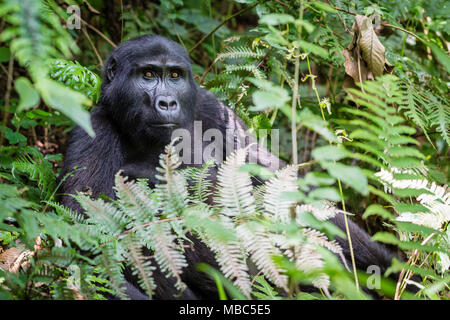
(110, 68)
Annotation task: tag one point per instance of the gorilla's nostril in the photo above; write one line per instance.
(163, 104)
(172, 104)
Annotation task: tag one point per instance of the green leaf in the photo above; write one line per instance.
(5, 54)
(14, 137)
(387, 237)
(271, 96)
(257, 170)
(274, 19)
(305, 24)
(412, 227)
(440, 54)
(319, 178)
(323, 6)
(314, 49)
(315, 123)
(67, 101)
(330, 194)
(332, 152)
(353, 176)
(29, 97)
(376, 209)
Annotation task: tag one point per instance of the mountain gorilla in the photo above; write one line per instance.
(148, 90)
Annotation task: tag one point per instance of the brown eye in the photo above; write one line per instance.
(148, 74)
(175, 74)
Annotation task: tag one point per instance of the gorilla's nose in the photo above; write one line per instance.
(166, 104)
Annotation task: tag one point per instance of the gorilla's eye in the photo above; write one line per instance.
(148, 74)
(175, 74)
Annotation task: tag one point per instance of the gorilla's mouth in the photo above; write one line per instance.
(164, 125)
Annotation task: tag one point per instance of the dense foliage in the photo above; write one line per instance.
(358, 89)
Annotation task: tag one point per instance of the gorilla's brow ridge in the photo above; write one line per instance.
(158, 63)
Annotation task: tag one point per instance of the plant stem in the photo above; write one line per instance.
(295, 93)
(347, 230)
(221, 24)
(7, 96)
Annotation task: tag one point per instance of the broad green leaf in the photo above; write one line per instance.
(411, 227)
(353, 176)
(322, 6)
(5, 54)
(387, 237)
(271, 96)
(274, 19)
(67, 101)
(376, 209)
(314, 49)
(256, 169)
(332, 152)
(442, 56)
(29, 97)
(317, 124)
(305, 24)
(319, 178)
(330, 194)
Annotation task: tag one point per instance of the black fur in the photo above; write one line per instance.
(125, 139)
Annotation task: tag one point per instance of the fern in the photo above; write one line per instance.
(140, 264)
(427, 111)
(250, 68)
(173, 189)
(76, 77)
(167, 253)
(240, 52)
(262, 251)
(235, 187)
(285, 181)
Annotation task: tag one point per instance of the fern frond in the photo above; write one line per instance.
(140, 264)
(320, 239)
(172, 191)
(434, 198)
(232, 262)
(240, 52)
(310, 261)
(104, 214)
(322, 212)
(258, 74)
(440, 118)
(285, 180)
(168, 254)
(202, 186)
(235, 187)
(67, 213)
(38, 169)
(135, 199)
(111, 268)
(262, 251)
(77, 77)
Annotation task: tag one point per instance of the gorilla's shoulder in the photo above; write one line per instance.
(102, 124)
(215, 113)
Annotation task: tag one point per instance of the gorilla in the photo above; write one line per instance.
(148, 91)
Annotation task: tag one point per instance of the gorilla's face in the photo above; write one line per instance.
(149, 89)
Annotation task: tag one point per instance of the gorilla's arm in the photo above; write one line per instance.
(97, 160)
(367, 252)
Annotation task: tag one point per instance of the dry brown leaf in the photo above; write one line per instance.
(352, 68)
(365, 55)
(15, 258)
(372, 49)
(9, 257)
